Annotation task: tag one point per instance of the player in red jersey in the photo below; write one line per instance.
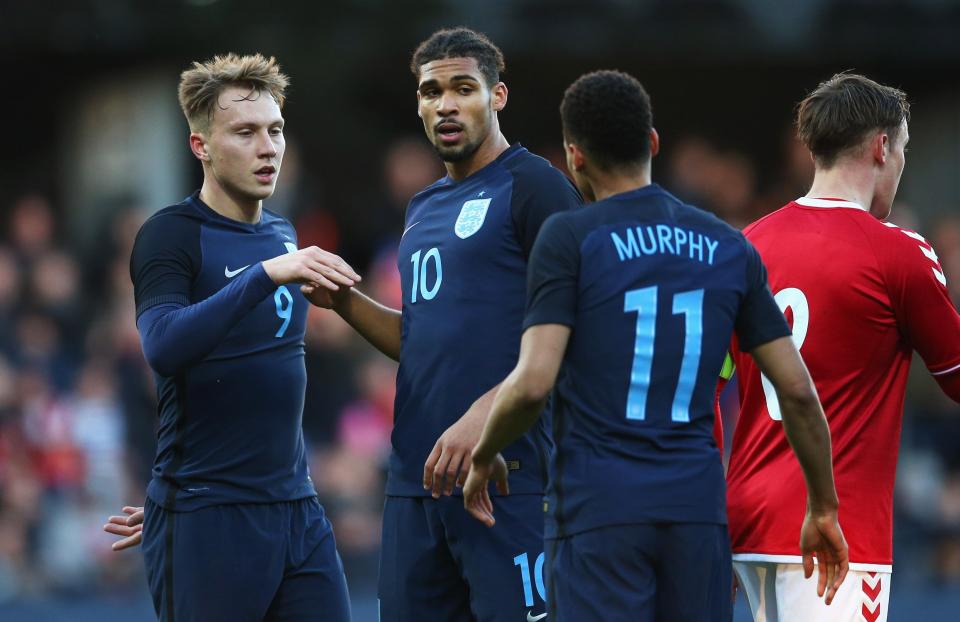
(861, 294)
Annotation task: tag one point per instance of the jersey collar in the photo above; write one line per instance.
(808, 202)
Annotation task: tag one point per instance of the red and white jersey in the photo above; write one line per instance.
(861, 295)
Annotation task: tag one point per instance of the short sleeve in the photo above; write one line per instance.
(759, 319)
(164, 261)
(926, 316)
(539, 191)
(552, 275)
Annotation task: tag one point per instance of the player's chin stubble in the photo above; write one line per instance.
(456, 154)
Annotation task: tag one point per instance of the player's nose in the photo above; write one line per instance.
(266, 148)
(446, 104)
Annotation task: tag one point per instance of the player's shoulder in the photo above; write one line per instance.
(689, 214)
(530, 169)
(423, 195)
(172, 222)
(269, 218)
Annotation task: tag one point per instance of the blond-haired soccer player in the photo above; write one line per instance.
(232, 527)
(863, 294)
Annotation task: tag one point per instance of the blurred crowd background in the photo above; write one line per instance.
(95, 143)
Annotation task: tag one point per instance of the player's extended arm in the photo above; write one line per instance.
(377, 323)
(516, 407)
(174, 336)
(809, 435)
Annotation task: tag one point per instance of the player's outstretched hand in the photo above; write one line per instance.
(476, 491)
(311, 266)
(821, 536)
(129, 526)
(449, 462)
(323, 297)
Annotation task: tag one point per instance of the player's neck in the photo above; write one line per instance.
(606, 184)
(229, 206)
(849, 183)
(488, 151)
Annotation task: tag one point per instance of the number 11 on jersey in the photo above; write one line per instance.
(644, 303)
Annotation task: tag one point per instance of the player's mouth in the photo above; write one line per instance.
(449, 132)
(265, 174)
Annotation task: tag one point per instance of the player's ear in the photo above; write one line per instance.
(574, 156)
(419, 112)
(198, 145)
(499, 96)
(880, 147)
(654, 142)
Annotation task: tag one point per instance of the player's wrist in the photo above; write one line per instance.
(818, 508)
(270, 268)
(482, 456)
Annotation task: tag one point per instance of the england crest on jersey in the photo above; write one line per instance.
(471, 217)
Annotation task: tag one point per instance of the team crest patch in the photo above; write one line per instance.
(471, 217)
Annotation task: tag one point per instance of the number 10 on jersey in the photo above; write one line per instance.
(644, 303)
(420, 274)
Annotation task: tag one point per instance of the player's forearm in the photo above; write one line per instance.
(175, 337)
(378, 324)
(809, 435)
(514, 411)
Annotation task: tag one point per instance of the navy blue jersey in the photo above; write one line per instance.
(463, 265)
(653, 290)
(231, 378)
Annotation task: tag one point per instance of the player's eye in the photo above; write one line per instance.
(465, 90)
(276, 131)
(245, 132)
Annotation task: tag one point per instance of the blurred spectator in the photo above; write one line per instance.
(31, 227)
(373, 220)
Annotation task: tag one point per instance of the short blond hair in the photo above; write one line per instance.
(201, 85)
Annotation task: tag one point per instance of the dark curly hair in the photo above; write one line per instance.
(460, 43)
(608, 114)
(840, 112)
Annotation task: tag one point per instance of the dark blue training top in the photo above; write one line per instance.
(463, 266)
(652, 289)
(226, 346)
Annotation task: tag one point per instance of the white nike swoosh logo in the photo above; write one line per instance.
(227, 272)
(409, 228)
(533, 618)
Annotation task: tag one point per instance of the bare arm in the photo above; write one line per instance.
(809, 435)
(378, 324)
(516, 407)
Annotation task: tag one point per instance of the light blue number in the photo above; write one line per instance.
(644, 303)
(415, 260)
(284, 311)
(538, 577)
(420, 275)
(524, 562)
(691, 305)
(429, 294)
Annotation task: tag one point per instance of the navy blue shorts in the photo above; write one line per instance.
(438, 563)
(244, 562)
(677, 572)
